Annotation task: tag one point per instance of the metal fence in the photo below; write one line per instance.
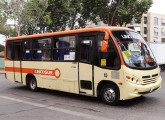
(2, 63)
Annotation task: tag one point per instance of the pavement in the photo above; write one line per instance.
(17, 102)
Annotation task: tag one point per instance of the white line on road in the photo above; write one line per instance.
(79, 114)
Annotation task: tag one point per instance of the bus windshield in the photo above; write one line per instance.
(134, 49)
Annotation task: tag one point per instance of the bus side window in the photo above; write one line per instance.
(27, 51)
(86, 49)
(64, 48)
(110, 58)
(42, 49)
(9, 50)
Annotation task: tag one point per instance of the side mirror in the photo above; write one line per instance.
(104, 45)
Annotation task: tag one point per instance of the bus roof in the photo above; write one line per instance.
(102, 29)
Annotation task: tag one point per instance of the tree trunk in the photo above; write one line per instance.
(73, 21)
(115, 12)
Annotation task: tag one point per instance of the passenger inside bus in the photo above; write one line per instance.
(45, 56)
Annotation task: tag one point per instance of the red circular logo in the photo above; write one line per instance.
(57, 73)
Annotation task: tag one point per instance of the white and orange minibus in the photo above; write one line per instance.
(112, 62)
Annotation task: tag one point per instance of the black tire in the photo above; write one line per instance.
(110, 94)
(33, 84)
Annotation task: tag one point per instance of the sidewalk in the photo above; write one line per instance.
(2, 72)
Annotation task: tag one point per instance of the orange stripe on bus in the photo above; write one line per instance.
(9, 69)
(55, 72)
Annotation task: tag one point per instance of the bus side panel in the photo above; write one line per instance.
(29, 67)
(24, 78)
(38, 78)
(9, 70)
(61, 76)
(17, 68)
(115, 76)
(64, 78)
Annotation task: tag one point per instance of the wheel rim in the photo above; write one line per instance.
(109, 95)
(33, 84)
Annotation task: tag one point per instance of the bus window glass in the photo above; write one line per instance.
(27, 44)
(86, 49)
(46, 43)
(42, 43)
(37, 54)
(46, 55)
(64, 48)
(9, 50)
(42, 49)
(27, 53)
(64, 42)
(17, 51)
(110, 58)
(134, 49)
(64, 54)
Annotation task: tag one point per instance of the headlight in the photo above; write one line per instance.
(133, 79)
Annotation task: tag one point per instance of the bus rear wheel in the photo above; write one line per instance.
(33, 84)
(110, 94)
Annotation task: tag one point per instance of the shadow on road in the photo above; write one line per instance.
(143, 100)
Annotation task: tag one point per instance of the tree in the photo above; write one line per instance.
(91, 10)
(13, 10)
(2, 48)
(5, 29)
(122, 11)
(72, 14)
(58, 12)
(34, 17)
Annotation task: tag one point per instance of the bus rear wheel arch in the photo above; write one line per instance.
(31, 82)
(109, 92)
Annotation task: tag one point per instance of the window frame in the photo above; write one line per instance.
(156, 21)
(93, 47)
(42, 49)
(156, 33)
(76, 43)
(145, 20)
(31, 39)
(18, 41)
(12, 50)
(115, 48)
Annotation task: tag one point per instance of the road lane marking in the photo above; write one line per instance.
(79, 114)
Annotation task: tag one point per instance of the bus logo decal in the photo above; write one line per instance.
(45, 72)
(57, 73)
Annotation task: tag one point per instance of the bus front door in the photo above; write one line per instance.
(86, 79)
(17, 61)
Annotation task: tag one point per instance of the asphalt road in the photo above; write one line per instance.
(17, 102)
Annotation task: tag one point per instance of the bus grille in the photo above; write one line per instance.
(149, 79)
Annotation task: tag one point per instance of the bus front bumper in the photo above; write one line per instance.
(134, 90)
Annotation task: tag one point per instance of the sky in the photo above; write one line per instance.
(157, 7)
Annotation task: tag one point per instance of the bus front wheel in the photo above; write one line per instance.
(33, 84)
(110, 94)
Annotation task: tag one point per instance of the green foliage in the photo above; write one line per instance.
(38, 16)
(57, 13)
(34, 17)
(2, 48)
(125, 11)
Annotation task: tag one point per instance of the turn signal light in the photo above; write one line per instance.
(128, 77)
